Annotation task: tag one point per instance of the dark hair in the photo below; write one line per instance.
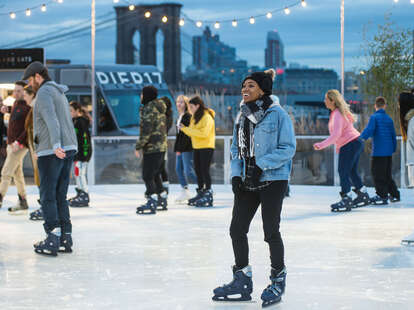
(380, 102)
(200, 111)
(21, 83)
(149, 93)
(406, 100)
(45, 74)
(28, 89)
(78, 107)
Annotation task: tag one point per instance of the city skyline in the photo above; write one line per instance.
(310, 35)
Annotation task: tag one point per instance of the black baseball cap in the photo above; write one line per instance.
(32, 69)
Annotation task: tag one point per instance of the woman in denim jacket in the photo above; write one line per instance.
(262, 150)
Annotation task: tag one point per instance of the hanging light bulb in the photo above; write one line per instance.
(396, 1)
(252, 20)
(131, 7)
(287, 11)
(199, 24)
(217, 25)
(147, 14)
(43, 8)
(164, 19)
(304, 4)
(60, 1)
(12, 15)
(116, 1)
(269, 15)
(181, 22)
(234, 23)
(28, 12)
(412, 1)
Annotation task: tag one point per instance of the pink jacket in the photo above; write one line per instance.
(341, 131)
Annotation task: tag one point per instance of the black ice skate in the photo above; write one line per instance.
(162, 202)
(377, 200)
(242, 286)
(66, 243)
(206, 200)
(272, 294)
(344, 205)
(395, 198)
(191, 201)
(362, 198)
(49, 246)
(36, 215)
(81, 201)
(150, 207)
(77, 195)
(21, 207)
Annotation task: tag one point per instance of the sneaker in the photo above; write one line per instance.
(184, 196)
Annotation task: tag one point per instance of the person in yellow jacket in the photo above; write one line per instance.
(203, 137)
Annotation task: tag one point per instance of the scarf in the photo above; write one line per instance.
(251, 113)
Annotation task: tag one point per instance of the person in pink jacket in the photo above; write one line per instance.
(349, 146)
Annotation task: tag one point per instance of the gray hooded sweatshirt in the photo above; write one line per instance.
(52, 122)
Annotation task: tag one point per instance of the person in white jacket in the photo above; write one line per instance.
(406, 103)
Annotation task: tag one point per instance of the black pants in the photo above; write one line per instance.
(164, 174)
(245, 207)
(381, 167)
(151, 172)
(202, 162)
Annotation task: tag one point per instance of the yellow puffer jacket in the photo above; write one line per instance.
(202, 134)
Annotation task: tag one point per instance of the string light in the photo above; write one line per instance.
(60, 1)
(199, 24)
(164, 19)
(147, 14)
(304, 4)
(234, 23)
(412, 1)
(252, 20)
(28, 12)
(181, 22)
(43, 8)
(12, 15)
(396, 1)
(269, 15)
(217, 25)
(116, 1)
(131, 7)
(287, 11)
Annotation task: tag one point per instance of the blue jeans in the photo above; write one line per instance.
(54, 182)
(184, 168)
(348, 165)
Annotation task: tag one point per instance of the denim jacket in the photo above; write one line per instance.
(275, 145)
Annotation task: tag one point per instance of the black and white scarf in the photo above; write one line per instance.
(250, 114)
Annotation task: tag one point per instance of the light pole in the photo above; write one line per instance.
(342, 47)
(93, 91)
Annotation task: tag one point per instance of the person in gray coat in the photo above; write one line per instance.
(55, 146)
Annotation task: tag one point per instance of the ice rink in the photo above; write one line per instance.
(174, 259)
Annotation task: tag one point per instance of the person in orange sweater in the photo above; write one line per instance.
(349, 146)
(202, 133)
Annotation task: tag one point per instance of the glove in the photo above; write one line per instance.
(257, 172)
(236, 184)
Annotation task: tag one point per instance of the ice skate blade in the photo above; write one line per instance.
(65, 250)
(267, 304)
(36, 218)
(360, 205)
(226, 299)
(341, 210)
(407, 242)
(45, 252)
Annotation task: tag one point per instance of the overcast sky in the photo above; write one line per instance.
(311, 35)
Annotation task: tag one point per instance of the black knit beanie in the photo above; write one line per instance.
(263, 79)
(149, 93)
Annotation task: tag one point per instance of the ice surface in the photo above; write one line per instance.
(174, 259)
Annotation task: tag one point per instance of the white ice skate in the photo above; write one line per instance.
(409, 240)
(184, 196)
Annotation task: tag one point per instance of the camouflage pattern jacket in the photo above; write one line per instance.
(153, 128)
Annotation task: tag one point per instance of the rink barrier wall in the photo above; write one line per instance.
(114, 162)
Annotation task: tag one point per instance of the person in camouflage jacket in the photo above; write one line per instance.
(152, 140)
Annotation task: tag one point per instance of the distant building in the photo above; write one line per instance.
(274, 52)
(308, 81)
(215, 62)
